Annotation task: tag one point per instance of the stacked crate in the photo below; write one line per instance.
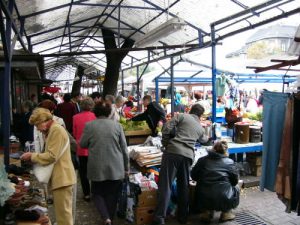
(144, 213)
(255, 162)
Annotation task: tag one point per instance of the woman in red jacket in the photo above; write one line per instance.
(79, 121)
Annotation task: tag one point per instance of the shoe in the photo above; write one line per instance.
(227, 216)
(240, 184)
(107, 222)
(206, 216)
(87, 198)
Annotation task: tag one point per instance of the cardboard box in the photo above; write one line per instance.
(147, 199)
(144, 215)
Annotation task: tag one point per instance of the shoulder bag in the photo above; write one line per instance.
(43, 173)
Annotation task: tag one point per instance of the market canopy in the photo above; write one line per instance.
(73, 27)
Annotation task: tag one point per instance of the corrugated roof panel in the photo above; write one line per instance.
(198, 13)
(33, 6)
(46, 21)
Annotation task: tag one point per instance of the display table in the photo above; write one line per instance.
(232, 148)
(244, 148)
(136, 137)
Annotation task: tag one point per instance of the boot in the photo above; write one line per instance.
(206, 216)
(227, 216)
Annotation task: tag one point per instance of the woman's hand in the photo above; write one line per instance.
(26, 156)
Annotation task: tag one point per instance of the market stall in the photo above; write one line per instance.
(22, 197)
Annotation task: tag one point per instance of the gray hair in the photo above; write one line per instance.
(119, 99)
(110, 98)
(87, 104)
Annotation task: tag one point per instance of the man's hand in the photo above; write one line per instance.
(26, 156)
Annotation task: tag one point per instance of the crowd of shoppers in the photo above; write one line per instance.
(103, 157)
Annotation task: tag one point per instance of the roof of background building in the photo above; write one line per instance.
(276, 31)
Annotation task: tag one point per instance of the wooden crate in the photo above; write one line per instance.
(144, 215)
(136, 137)
(137, 132)
(256, 170)
(254, 159)
(147, 199)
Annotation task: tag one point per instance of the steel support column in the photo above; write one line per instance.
(138, 86)
(172, 85)
(213, 72)
(156, 89)
(122, 77)
(6, 75)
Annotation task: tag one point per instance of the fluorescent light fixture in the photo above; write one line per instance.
(294, 48)
(171, 26)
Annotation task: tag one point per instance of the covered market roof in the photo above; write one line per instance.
(57, 27)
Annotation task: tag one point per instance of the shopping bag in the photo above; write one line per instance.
(122, 202)
(43, 173)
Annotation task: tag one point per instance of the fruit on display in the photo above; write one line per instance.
(256, 116)
(129, 125)
(128, 115)
(134, 109)
(165, 101)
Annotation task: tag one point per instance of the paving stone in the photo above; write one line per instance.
(264, 205)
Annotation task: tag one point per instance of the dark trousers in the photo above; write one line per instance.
(173, 166)
(105, 196)
(85, 184)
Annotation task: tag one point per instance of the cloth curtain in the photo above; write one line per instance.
(284, 178)
(273, 120)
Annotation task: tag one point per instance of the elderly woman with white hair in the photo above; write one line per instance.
(57, 151)
(116, 106)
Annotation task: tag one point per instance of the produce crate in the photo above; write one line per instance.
(144, 215)
(137, 132)
(147, 199)
(136, 137)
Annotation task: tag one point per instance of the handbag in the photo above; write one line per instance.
(73, 148)
(43, 173)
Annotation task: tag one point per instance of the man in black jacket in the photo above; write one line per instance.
(152, 115)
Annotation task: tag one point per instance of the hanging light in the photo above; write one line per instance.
(171, 26)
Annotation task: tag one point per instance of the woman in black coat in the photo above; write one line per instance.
(217, 179)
